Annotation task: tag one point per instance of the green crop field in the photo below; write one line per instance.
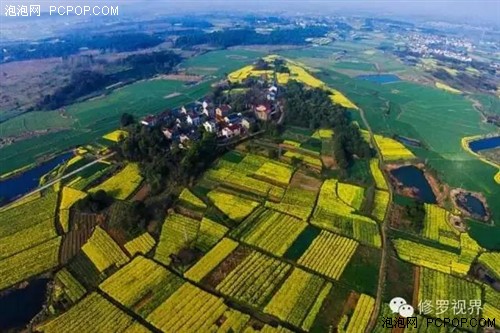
(90, 119)
(220, 62)
(437, 118)
(360, 66)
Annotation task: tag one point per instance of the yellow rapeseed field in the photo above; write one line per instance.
(102, 250)
(275, 172)
(392, 150)
(116, 136)
(329, 254)
(447, 88)
(211, 259)
(362, 313)
(68, 197)
(236, 208)
(141, 244)
(122, 184)
(377, 174)
(296, 295)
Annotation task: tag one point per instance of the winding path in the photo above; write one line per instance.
(383, 230)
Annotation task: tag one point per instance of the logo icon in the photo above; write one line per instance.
(406, 311)
(398, 305)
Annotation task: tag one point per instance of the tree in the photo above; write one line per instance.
(126, 119)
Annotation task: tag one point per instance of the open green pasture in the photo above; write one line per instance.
(437, 118)
(220, 62)
(89, 120)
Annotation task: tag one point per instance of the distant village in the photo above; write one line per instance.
(182, 125)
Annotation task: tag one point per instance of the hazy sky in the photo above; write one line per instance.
(455, 10)
(461, 10)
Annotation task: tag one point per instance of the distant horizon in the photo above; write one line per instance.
(455, 11)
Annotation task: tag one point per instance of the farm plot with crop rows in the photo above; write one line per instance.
(377, 175)
(92, 314)
(254, 280)
(296, 201)
(437, 259)
(332, 213)
(188, 309)
(438, 228)
(141, 244)
(210, 260)
(352, 195)
(177, 232)
(27, 225)
(209, 234)
(361, 316)
(275, 173)
(235, 207)
(142, 285)
(380, 204)
(68, 197)
(71, 287)
(271, 231)
(30, 262)
(122, 184)
(435, 286)
(102, 250)
(296, 295)
(329, 254)
(392, 150)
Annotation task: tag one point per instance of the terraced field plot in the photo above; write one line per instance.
(235, 207)
(93, 314)
(436, 286)
(332, 213)
(214, 257)
(176, 233)
(271, 231)
(141, 244)
(27, 225)
(102, 250)
(254, 280)
(122, 184)
(437, 226)
(329, 254)
(142, 285)
(438, 259)
(296, 295)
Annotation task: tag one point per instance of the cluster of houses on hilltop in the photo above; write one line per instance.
(181, 125)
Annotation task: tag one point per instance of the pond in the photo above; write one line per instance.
(472, 204)
(412, 177)
(19, 306)
(486, 143)
(379, 78)
(19, 185)
(408, 141)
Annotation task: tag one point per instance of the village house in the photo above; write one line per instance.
(168, 133)
(272, 92)
(247, 123)
(210, 126)
(233, 118)
(263, 112)
(231, 130)
(223, 111)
